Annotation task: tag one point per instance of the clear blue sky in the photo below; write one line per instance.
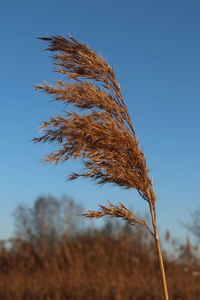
(154, 47)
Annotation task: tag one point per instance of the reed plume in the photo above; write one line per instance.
(103, 137)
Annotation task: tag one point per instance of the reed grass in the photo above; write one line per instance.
(103, 137)
(83, 268)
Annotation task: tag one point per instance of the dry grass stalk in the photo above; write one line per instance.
(104, 137)
(118, 211)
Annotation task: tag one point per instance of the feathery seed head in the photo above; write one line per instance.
(104, 138)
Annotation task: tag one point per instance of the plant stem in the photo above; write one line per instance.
(159, 252)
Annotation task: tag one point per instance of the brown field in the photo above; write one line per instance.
(96, 265)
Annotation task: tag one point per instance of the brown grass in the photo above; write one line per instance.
(103, 138)
(92, 266)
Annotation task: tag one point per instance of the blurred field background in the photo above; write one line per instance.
(56, 255)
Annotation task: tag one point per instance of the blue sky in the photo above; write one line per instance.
(154, 48)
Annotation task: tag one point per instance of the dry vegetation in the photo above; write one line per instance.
(103, 138)
(95, 265)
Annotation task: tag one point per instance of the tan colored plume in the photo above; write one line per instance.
(101, 133)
